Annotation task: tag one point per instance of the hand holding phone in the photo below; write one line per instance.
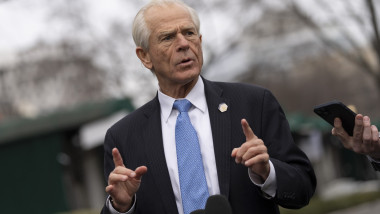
(331, 110)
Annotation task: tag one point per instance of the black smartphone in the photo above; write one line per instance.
(329, 111)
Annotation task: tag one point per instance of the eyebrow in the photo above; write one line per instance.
(189, 28)
(166, 33)
(171, 32)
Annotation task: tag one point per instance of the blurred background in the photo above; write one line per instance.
(68, 71)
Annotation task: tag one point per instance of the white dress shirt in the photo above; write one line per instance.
(199, 117)
(198, 114)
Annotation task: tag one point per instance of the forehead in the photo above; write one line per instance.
(167, 17)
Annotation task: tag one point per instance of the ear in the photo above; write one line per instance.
(200, 38)
(144, 57)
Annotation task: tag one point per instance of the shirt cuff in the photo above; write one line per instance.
(269, 186)
(372, 159)
(114, 211)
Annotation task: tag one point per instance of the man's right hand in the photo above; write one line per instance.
(123, 183)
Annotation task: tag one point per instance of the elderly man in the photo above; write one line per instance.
(198, 138)
(365, 139)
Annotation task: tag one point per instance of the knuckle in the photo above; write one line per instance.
(357, 135)
(263, 148)
(375, 138)
(264, 157)
(246, 146)
(357, 149)
(366, 138)
(259, 159)
(251, 150)
(119, 167)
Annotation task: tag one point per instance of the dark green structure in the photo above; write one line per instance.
(31, 159)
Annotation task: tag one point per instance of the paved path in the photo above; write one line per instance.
(367, 208)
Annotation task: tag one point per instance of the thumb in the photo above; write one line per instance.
(249, 135)
(140, 171)
(117, 160)
(234, 152)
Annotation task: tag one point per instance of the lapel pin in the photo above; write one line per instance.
(223, 107)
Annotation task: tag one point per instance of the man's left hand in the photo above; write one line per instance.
(253, 153)
(365, 139)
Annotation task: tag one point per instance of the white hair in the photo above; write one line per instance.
(140, 30)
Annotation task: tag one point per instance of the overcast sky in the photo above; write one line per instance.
(22, 22)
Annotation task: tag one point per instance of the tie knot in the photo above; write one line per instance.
(182, 105)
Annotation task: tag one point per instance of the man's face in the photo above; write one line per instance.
(175, 51)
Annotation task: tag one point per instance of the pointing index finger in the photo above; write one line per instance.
(248, 132)
(117, 160)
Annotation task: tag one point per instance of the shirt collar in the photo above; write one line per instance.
(196, 96)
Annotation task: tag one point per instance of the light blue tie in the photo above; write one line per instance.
(192, 180)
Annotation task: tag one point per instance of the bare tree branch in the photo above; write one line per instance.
(376, 41)
(356, 56)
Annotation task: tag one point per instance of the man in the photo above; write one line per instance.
(365, 139)
(246, 147)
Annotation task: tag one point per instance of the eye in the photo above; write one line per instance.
(167, 38)
(190, 33)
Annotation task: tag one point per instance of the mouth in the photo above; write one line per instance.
(185, 61)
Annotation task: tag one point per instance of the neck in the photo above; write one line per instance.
(178, 91)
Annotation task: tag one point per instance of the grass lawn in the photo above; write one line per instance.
(319, 206)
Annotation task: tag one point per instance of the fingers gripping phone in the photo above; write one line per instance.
(329, 111)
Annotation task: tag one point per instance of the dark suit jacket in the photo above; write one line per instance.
(138, 137)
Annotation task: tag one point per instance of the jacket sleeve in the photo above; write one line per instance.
(295, 176)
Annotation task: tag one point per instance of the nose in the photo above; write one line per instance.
(182, 43)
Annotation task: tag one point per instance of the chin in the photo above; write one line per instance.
(185, 78)
(190, 75)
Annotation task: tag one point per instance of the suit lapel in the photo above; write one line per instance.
(156, 158)
(221, 132)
